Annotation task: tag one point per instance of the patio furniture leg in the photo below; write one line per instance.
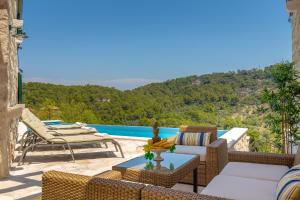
(118, 145)
(34, 142)
(21, 160)
(27, 140)
(71, 151)
(121, 151)
(22, 141)
(116, 148)
(25, 152)
(195, 180)
(100, 145)
(23, 144)
(105, 144)
(30, 142)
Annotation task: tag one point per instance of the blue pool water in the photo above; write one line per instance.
(137, 131)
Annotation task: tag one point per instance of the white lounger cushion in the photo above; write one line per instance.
(256, 171)
(233, 187)
(194, 150)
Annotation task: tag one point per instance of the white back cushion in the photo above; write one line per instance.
(256, 171)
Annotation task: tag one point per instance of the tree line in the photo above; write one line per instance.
(229, 99)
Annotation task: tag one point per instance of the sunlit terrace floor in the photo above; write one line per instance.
(25, 180)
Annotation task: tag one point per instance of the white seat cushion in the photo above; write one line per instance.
(256, 171)
(233, 187)
(194, 150)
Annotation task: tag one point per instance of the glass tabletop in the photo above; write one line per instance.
(171, 163)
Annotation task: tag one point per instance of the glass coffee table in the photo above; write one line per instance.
(164, 173)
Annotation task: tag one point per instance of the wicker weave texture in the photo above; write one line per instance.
(160, 179)
(201, 175)
(61, 186)
(106, 189)
(216, 159)
(110, 174)
(159, 193)
(262, 158)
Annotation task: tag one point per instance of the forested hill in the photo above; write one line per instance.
(222, 99)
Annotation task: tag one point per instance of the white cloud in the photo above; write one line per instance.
(122, 84)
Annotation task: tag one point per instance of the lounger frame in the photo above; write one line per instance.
(30, 140)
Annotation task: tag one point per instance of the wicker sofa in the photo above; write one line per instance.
(212, 158)
(250, 175)
(107, 186)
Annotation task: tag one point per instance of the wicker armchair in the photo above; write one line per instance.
(61, 186)
(216, 156)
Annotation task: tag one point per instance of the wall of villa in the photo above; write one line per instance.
(237, 139)
(242, 144)
(295, 20)
(9, 109)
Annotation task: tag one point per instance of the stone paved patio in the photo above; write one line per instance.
(25, 180)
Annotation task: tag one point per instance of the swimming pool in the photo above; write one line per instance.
(137, 131)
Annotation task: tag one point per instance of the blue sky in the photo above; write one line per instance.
(129, 43)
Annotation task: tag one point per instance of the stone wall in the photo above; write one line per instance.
(296, 38)
(13, 69)
(237, 139)
(9, 109)
(242, 144)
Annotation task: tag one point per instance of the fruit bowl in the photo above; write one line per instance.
(158, 152)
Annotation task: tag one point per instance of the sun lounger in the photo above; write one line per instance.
(72, 131)
(40, 136)
(27, 115)
(63, 126)
(77, 125)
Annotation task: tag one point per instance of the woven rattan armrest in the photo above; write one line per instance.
(60, 186)
(216, 158)
(160, 193)
(262, 158)
(105, 189)
(110, 174)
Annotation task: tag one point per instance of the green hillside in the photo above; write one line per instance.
(219, 99)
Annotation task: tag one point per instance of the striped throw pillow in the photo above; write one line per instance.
(289, 185)
(193, 139)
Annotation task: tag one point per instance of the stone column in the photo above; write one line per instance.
(293, 7)
(296, 38)
(4, 129)
(9, 109)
